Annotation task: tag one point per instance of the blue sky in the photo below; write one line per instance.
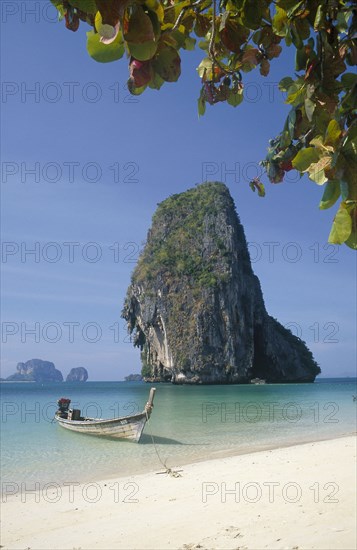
(84, 165)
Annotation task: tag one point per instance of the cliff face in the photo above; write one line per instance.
(195, 307)
(36, 370)
(77, 374)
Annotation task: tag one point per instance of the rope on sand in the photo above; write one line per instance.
(169, 471)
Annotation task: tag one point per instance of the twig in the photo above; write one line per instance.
(211, 47)
(184, 9)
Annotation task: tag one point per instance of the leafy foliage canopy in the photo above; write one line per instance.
(319, 136)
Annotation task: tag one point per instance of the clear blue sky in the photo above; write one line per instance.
(101, 160)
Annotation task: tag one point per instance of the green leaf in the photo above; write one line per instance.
(201, 104)
(310, 90)
(342, 20)
(296, 38)
(190, 43)
(176, 39)
(104, 53)
(137, 90)
(317, 169)
(291, 6)
(288, 38)
(302, 27)
(349, 144)
(280, 22)
(301, 59)
(344, 190)
(317, 142)
(309, 108)
(205, 69)
(349, 80)
(140, 27)
(256, 184)
(305, 158)
(156, 82)
(252, 14)
(143, 52)
(331, 194)
(203, 45)
(285, 138)
(341, 227)
(291, 123)
(285, 83)
(235, 98)
(349, 101)
(352, 239)
(320, 19)
(167, 64)
(333, 133)
(224, 19)
(296, 94)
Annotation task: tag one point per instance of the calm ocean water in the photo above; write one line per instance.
(189, 423)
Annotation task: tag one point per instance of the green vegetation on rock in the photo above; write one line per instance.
(190, 249)
(194, 305)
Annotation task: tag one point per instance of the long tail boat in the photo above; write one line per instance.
(124, 427)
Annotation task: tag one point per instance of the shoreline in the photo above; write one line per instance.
(181, 462)
(220, 455)
(297, 496)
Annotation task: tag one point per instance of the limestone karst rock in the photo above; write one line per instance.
(194, 305)
(77, 374)
(36, 370)
(133, 378)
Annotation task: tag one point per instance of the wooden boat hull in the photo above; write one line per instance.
(126, 427)
(119, 428)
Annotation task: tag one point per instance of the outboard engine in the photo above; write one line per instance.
(63, 405)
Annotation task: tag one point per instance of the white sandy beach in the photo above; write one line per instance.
(299, 497)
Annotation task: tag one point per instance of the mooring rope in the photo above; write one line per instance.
(169, 471)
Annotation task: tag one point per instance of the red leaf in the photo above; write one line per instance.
(140, 72)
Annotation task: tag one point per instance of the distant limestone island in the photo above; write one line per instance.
(37, 370)
(195, 307)
(133, 378)
(77, 374)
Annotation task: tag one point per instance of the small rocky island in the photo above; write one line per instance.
(133, 378)
(36, 370)
(195, 307)
(77, 374)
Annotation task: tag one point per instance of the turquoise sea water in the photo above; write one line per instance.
(189, 423)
